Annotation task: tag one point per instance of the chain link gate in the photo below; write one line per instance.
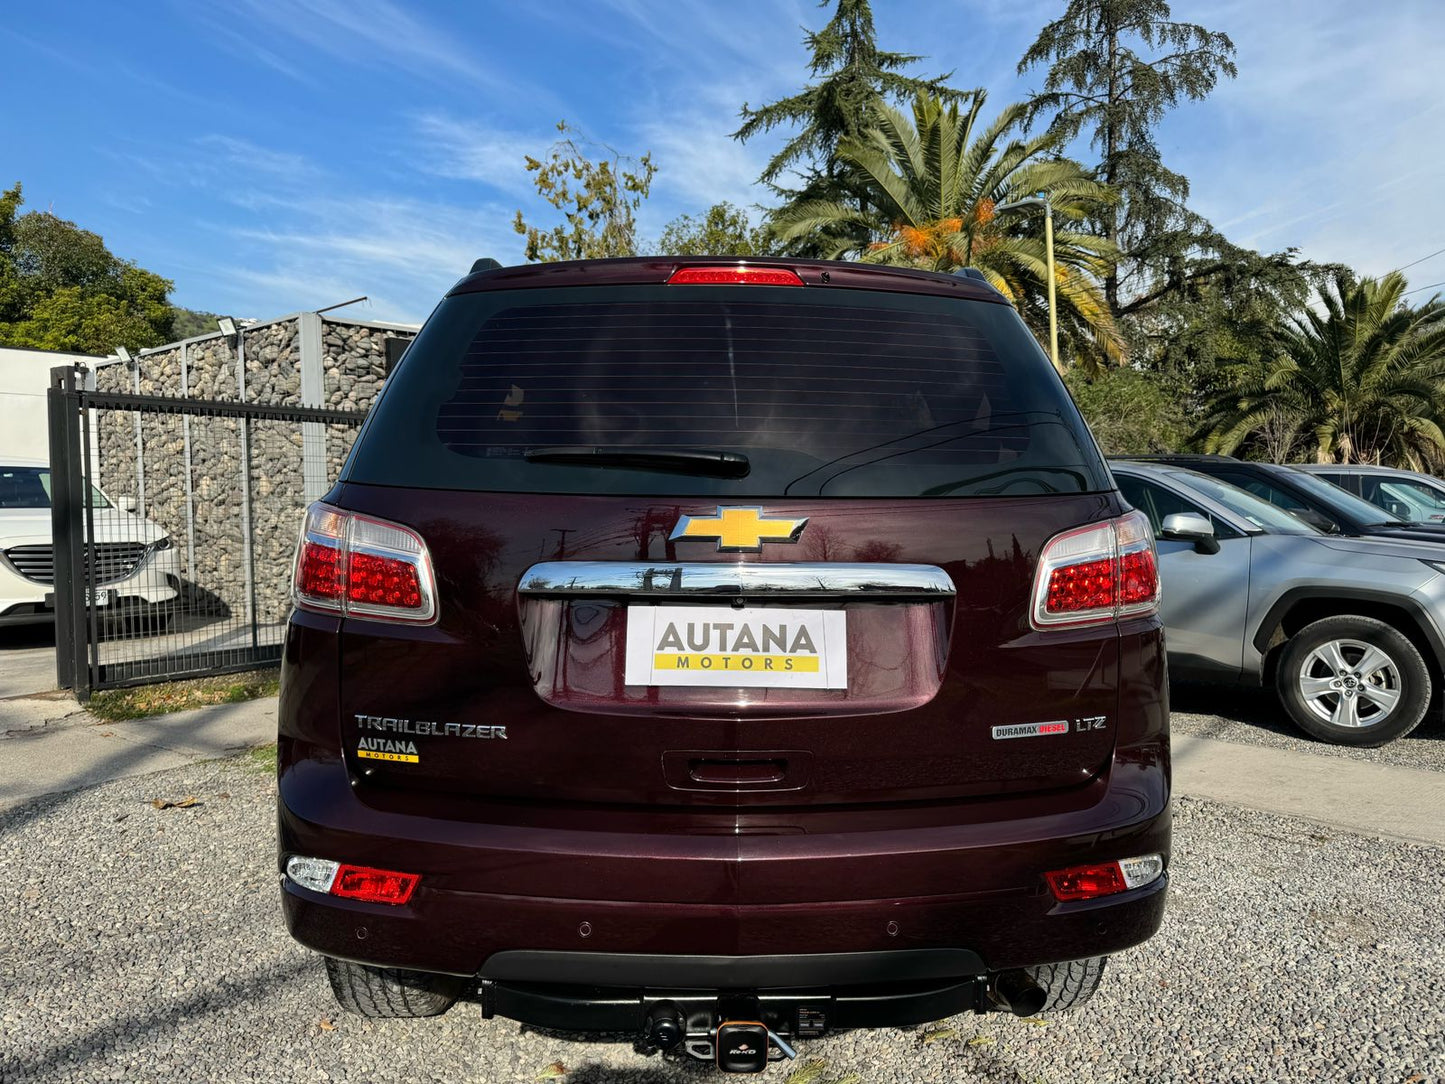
(174, 522)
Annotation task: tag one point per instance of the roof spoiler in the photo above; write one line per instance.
(978, 276)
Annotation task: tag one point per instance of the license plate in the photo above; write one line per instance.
(748, 648)
(103, 596)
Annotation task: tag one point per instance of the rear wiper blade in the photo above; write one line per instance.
(700, 461)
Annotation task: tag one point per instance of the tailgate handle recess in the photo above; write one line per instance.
(722, 773)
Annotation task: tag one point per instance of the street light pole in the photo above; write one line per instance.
(1053, 304)
(1042, 200)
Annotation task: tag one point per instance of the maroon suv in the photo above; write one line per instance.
(725, 653)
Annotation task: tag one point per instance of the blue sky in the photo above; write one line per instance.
(273, 156)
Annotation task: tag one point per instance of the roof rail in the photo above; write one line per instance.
(486, 263)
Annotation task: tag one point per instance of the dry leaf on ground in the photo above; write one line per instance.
(185, 803)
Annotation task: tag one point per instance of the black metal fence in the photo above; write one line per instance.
(174, 526)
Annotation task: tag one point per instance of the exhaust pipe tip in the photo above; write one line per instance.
(1017, 992)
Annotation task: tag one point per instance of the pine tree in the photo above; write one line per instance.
(852, 73)
(1116, 67)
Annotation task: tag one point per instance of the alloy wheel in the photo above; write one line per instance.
(1350, 683)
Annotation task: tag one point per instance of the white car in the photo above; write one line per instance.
(136, 565)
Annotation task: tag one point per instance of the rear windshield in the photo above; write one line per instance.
(837, 394)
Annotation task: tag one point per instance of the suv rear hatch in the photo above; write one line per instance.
(727, 545)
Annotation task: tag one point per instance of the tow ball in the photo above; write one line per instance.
(737, 1046)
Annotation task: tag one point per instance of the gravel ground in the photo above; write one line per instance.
(144, 944)
(1254, 717)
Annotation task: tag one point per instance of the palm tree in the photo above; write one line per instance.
(933, 187)
(1359, 379)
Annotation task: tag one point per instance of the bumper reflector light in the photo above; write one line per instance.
(351, 882)
(1105, 878)
(374, 885)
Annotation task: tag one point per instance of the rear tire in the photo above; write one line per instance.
(391, 992)
(1353, 681)
(1071, 984)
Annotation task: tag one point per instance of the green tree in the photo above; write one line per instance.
(12, 290)
(192, 322)
(1358, 378)
(1130, 411)
(1195, 335)
(62, 289)
(598, 200)
(1115, 68)
(936, 183)
(724, 230)
(852, 75)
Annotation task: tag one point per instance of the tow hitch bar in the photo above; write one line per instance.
(731, 1035)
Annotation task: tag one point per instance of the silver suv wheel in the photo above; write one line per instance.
(1350, 683)
(1353, 681)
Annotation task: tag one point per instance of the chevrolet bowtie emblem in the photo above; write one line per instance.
(739, 529)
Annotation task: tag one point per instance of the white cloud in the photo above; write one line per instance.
(1323, 141)
(404, 253)
(471, 151)
(699, 165)
(290, 235)
(373, 33)
(239, 153)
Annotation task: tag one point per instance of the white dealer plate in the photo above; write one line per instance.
(753, 648)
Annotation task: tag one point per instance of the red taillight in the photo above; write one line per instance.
(1088, 585)
(1096, 574)
(373, 885)
(318, 576)
(363, 567)
(1138, 577)
(739, 275)
(382, 581)
(1105, 878)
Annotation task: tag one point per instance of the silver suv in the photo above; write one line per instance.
(1417, 497)
(1349, 630)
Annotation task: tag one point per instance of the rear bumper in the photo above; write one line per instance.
(493, 936)
(621, 907)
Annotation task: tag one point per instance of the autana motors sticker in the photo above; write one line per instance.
(751, 648)
(385, 749)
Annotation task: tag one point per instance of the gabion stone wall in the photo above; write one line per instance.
(273, 364)
(354, 367)
(208, 528)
